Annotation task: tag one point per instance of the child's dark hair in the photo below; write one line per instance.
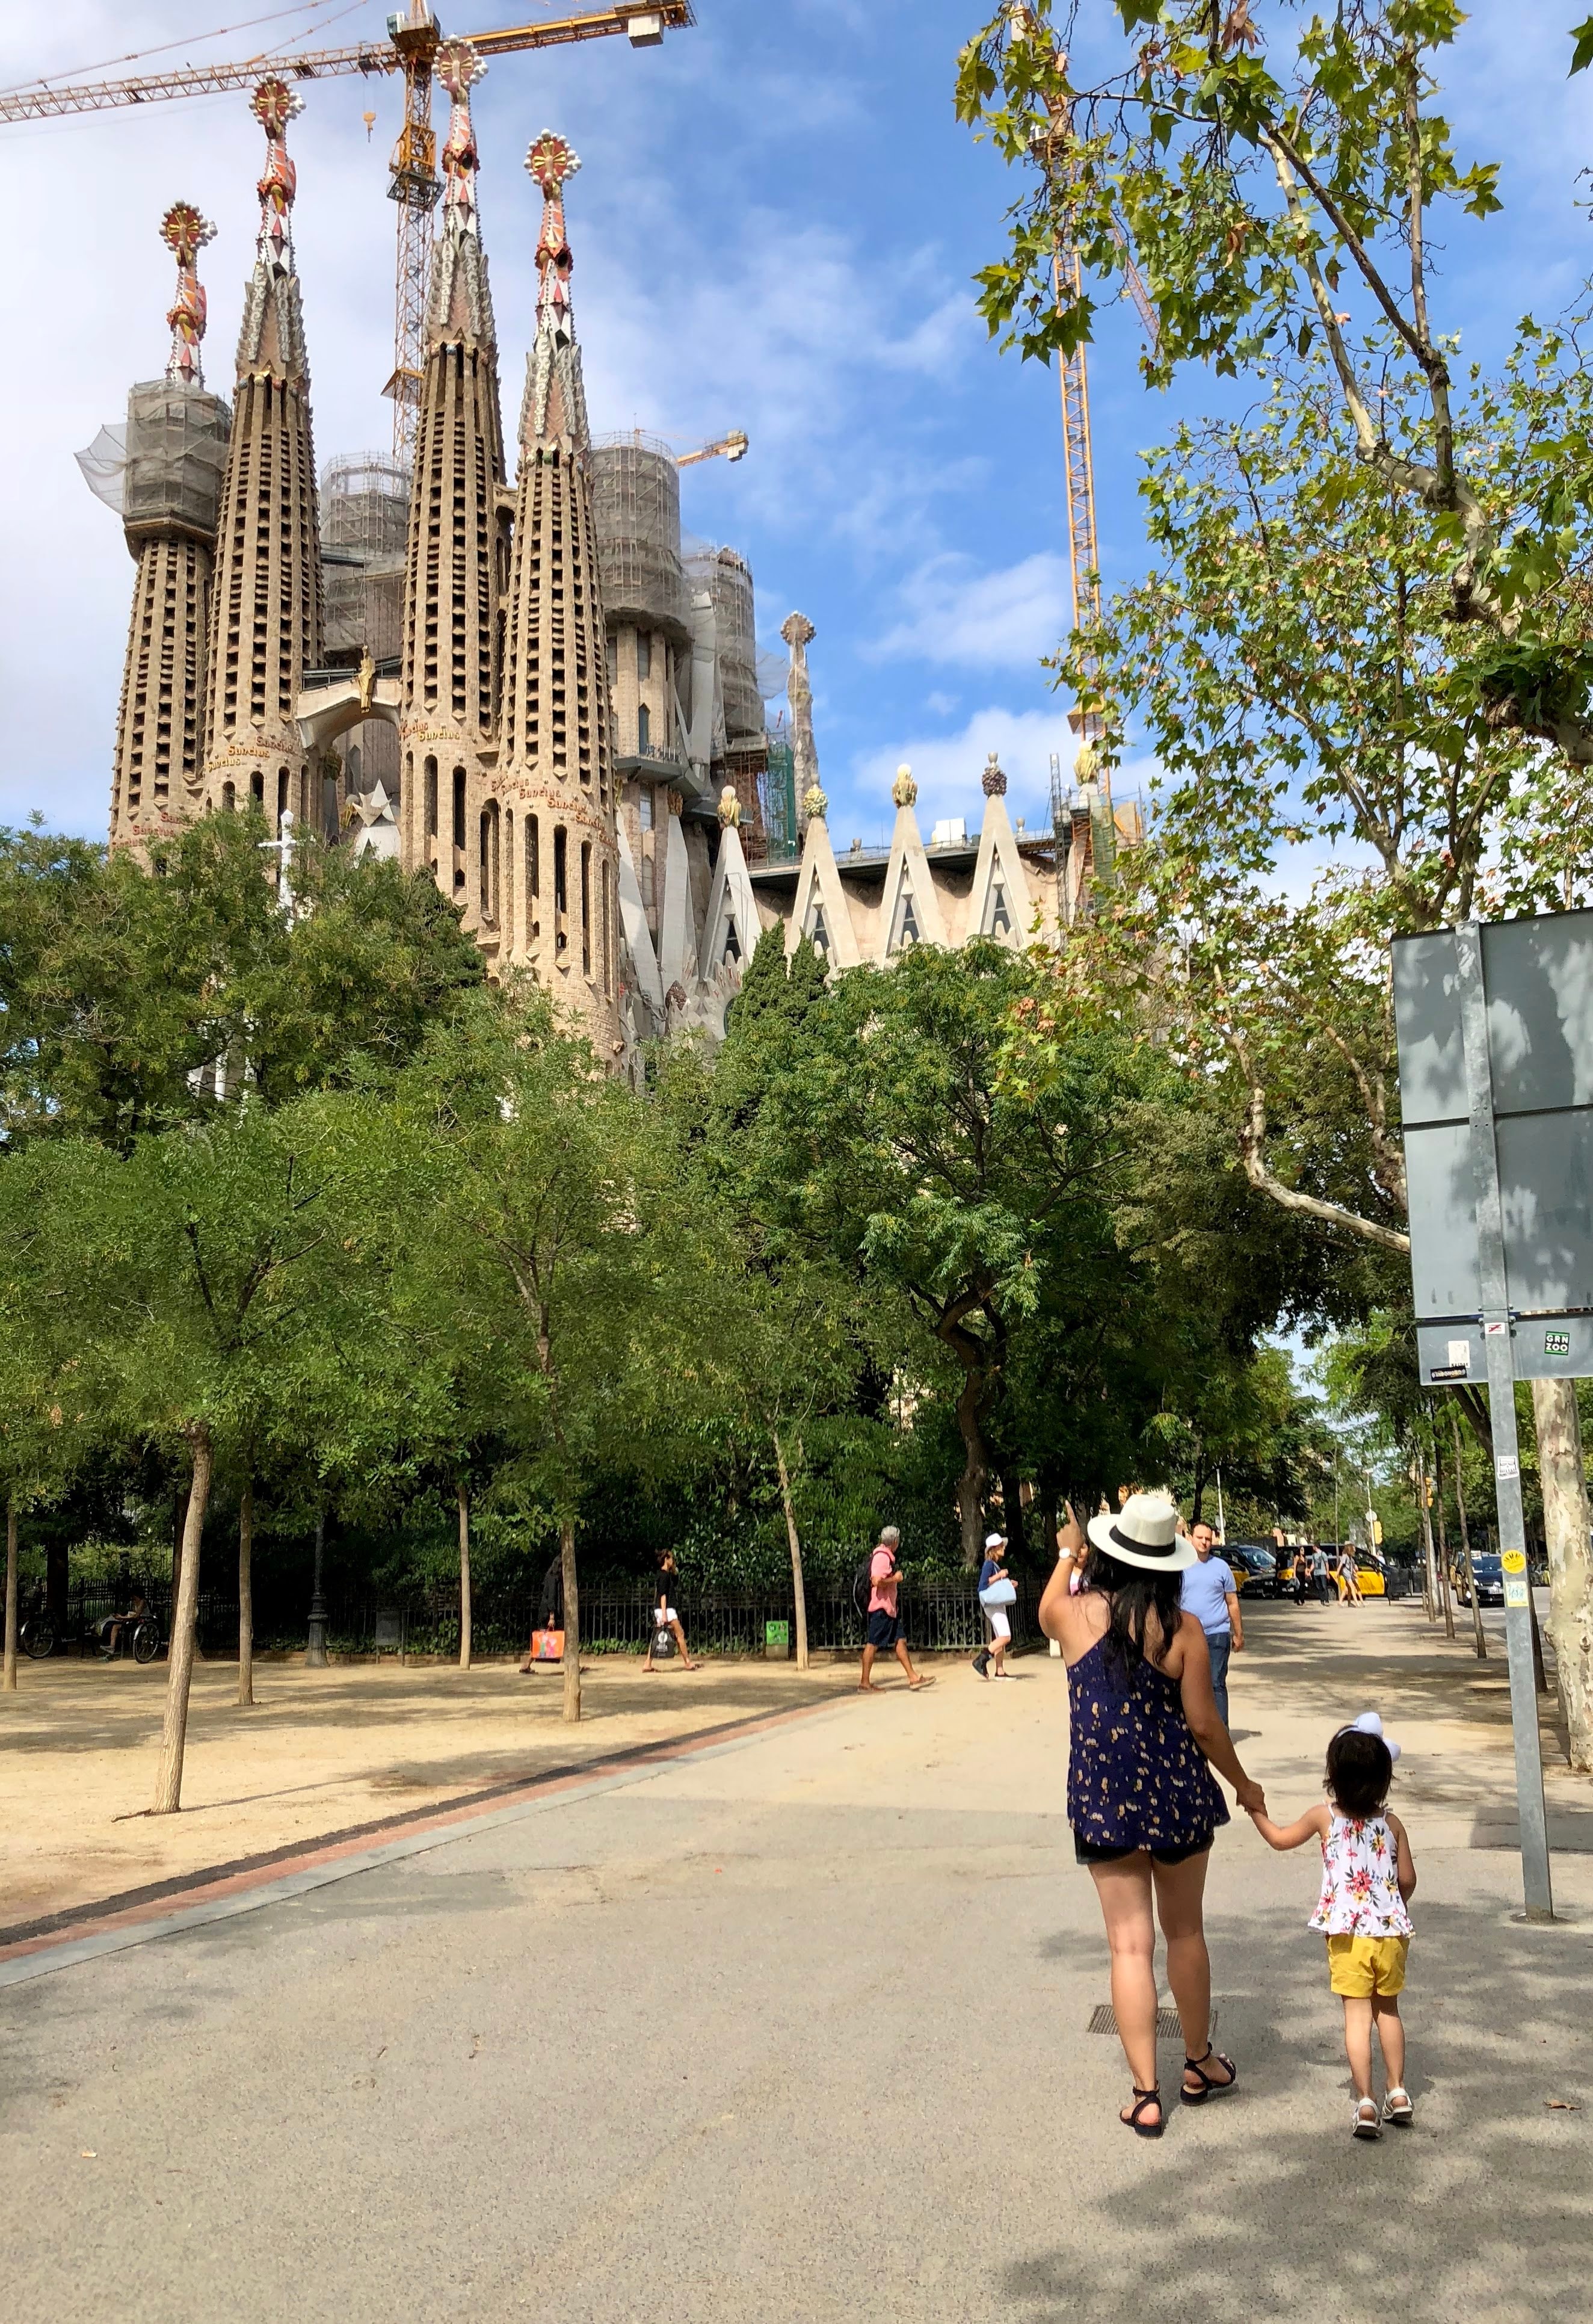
(1360, 1769)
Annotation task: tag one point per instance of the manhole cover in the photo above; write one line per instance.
(1103, 2019)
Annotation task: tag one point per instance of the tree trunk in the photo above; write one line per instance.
(1199, 1491)
(975, 1469)
(9, 1683)
(1012, 1512)
(464, 1574)
(1429, 1563)
(798, 1586)
(1571, 1563)
(1445, 1596)
(246, 1592)
(184, 1614)
(1477, 1638)
(572, 1622)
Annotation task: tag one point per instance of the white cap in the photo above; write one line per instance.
(995, 1541)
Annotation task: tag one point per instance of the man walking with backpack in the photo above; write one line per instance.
(885, 1627)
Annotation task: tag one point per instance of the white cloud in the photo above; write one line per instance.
(1005, 620)
(942, 704)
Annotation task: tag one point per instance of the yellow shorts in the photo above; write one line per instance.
(1359, 1966)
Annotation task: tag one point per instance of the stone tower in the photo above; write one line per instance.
(558, 847)
(450, 818)
(265, 627)
(176, 448)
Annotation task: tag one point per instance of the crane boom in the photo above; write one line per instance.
(39, 100)
(410, 49)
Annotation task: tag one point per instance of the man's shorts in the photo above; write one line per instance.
(1001, 1627)
(1361, 1965)
(884, 1629)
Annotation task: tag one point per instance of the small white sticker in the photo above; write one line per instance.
(1515, 1590)
(1505, 1467)
(1495, 1330)
(1460, 1353)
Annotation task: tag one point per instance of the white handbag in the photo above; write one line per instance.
(999, 1593)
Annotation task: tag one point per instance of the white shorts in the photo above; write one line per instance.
(663, 1615)
(1001, 1627)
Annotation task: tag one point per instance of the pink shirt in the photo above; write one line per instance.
(881, 1593)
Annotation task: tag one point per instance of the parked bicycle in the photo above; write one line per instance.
(36, 1636)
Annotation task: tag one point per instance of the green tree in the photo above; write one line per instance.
(1279, 186)
(131, 999)
(198, 1278)
(889, 1139)
(552, 1219)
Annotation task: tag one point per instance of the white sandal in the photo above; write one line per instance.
(1397, 2106)
(1365, 2123)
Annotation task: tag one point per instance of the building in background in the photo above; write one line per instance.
(544, 697)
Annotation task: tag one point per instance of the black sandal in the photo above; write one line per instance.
(1209, 2089)
(1142, 2098)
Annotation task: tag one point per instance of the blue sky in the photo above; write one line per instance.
(775, 228)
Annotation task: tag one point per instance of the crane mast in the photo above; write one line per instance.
(413, 39)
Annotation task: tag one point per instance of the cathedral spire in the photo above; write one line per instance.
(554, 404)
(185, 234)
(270, 340)
(459, 307)
(266, 603)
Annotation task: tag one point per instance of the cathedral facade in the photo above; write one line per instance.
(544, 700)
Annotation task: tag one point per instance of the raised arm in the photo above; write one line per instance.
(1312, 1824)
(1070, 1551)
(1205, 1722)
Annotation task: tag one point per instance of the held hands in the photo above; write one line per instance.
(1251, 1797)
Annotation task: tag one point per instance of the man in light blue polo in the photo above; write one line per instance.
(1210, 1594)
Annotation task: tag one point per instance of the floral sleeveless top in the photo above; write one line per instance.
(1136, 1775)
(1360, 1889)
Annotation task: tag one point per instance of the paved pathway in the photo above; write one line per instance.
(799, 2028)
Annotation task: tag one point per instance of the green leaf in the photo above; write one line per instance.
(1582, 50)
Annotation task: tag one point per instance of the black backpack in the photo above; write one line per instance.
(862, 1586)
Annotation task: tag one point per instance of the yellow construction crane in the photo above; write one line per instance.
(1050, 147)
(409, 50)
(733, 447)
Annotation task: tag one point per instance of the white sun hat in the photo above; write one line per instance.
(1144, 1532)
(994, 1540)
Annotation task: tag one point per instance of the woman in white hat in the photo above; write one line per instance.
(1140, 1795)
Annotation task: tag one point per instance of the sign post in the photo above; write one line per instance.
(1499, 1351)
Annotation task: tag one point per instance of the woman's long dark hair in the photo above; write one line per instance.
(1136, 1594)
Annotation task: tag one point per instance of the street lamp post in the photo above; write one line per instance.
(315, 1644)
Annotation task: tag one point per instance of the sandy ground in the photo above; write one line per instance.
(320, 1751)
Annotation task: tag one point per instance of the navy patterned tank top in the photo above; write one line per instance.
(1136, 1775)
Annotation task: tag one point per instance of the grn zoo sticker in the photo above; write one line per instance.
(1557, 1343)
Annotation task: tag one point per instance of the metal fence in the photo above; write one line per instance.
(616, 1617)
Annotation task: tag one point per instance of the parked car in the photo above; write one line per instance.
(1255, 1569)
(1491, 1582)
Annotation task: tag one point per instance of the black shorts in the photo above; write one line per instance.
(1091, 1851)
(884, 1629)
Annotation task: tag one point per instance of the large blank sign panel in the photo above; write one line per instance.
(1538, 974)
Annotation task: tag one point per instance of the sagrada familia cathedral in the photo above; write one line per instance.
(523, 690)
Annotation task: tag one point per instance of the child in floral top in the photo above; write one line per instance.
(1369, 1878)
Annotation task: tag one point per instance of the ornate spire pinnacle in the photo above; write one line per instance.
(458, 68)
(905, 790)
(274, 105)
(555, 402)
(994, 779)
(185, 234)
(551, 161)
(460, 307)
(271, 338)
